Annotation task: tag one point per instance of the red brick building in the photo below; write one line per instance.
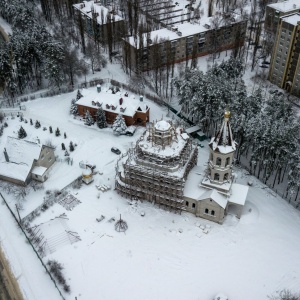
(135, 111)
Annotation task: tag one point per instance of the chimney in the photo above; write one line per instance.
(141, 98)
(6, 155)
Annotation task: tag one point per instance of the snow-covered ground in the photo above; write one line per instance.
(162, 255)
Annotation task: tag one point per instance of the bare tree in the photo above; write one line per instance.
(20, 192)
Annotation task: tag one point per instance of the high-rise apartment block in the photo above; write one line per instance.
(277, 10)
(285, 61)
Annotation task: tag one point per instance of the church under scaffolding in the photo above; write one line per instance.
(157, 167)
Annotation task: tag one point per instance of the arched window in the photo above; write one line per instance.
(212, 212)
(226, 176)
(194, 205)
(206, 210)
(217, 176)
(186, 203)
(227, 161)
(218, 161)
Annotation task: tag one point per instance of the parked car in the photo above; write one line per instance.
(130, 130)
(115, 150)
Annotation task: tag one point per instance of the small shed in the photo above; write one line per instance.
(87, 176)
(196, 132)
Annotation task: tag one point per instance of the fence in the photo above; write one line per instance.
(29, 241)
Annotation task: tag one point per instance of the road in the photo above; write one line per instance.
(9, 288)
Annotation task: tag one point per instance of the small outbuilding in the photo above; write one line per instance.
(22, 161)
(87, 175)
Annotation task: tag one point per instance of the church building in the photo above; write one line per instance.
(162, 168)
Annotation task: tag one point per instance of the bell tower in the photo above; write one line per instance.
(222, 148)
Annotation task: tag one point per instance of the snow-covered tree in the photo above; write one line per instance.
(57, 132)
(119, 126)
(74, 108)
(88, 119)
(71, 147)
(101, 118)
(22, 133)
(79, 95)
(37, 124)
(204, 96)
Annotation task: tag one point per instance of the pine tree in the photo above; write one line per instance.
(37, 124)
(88, 120)
(57, 132)
(31, 123)
(50, 129)
(65, 135)
(101, 118)
(79, 95)
(63, 147)
(22, 133)
(74, 109)
(71, 147)
(119, 126)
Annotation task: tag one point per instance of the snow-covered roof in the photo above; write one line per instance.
(286, 6)
(193, 129)
(162, 125)
(239, 193)
(185, 136)
(87, 7)
(87, 172)
(226, 186)
(172, 150)
(128, 107)
(215, 196)
(21, 155)
(182, 31)
(292, 19)
(38, 170)
(192, 189)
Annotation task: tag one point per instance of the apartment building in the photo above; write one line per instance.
(97, 21)
(275, 11)
(182, 42)
(285, 61)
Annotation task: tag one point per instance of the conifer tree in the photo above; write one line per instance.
(101, 118)
(73, 108)
(50, 129)
(31, 123)
(22, 133)
(63, 147)
(88, 120)
(79, 95)
(37, 124)
(119, 126)
(71, 147)
(65, 135)
(57, 132)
